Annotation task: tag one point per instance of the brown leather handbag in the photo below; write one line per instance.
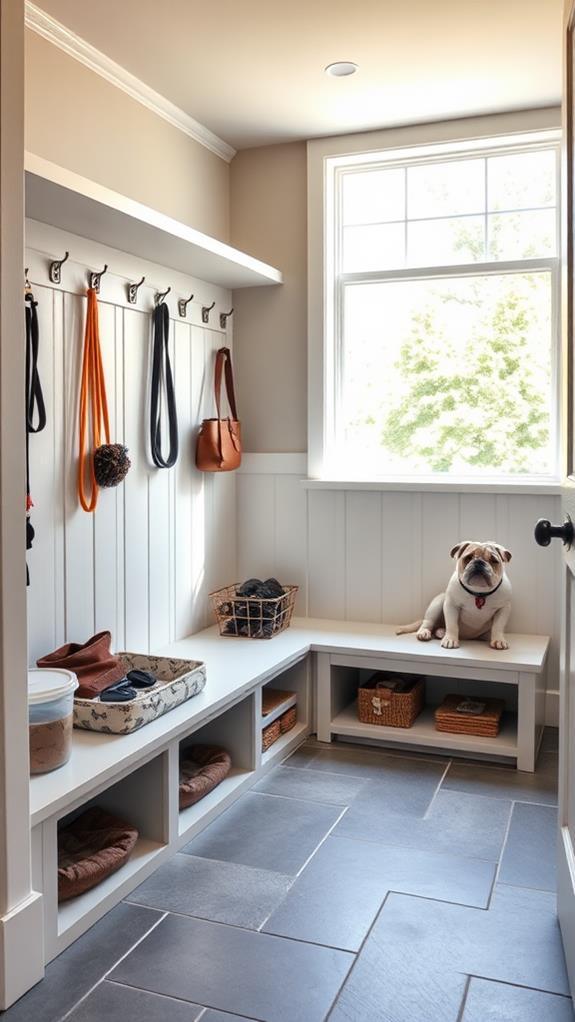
(219, 447)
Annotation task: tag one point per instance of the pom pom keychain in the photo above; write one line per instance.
(109, 463)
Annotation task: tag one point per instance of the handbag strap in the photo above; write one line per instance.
(224, 365)
(92, 392)
(162, 370)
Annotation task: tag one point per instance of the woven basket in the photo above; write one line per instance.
(252, 617)
(272, 698)
(270, 734)
(378, 703)
(448, 718)
(288, 720)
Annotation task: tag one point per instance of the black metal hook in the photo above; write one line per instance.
(95, 279)
(56, 269)
(133, 291)
(161, 295)
(27, 284)
(183, 306)
(206, 309)
(224, 316)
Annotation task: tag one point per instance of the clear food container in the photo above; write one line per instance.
(50, 718)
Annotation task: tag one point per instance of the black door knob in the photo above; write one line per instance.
(545, 532)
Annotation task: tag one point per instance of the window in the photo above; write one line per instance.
(441, 298)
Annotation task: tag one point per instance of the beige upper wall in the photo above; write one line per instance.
(78, 120)
(268, 220)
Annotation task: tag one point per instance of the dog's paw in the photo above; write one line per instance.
(439, 633)
(449, 642)
(424, 635)
(499, 644)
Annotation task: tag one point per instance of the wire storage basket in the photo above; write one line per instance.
(252, 617)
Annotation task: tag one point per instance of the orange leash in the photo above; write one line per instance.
(92, 393)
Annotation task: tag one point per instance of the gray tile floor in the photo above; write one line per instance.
(352, 885)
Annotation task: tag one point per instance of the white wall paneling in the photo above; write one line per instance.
(144, 563)
(381, 555)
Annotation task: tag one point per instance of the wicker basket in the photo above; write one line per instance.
(252, 617)
(391, 700)
(448, 718)
(270, 734)
(288, 720)
(272, 698)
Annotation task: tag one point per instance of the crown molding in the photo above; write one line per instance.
(47, 27)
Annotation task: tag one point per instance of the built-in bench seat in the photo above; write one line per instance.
(137, 774)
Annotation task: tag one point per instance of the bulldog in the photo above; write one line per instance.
(476, 603)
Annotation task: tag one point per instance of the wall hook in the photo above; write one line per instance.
(56, 269)
(95, 278)
(161, 295)
(133, 291)
(224, 316)
(27, 284)
(206, 309)
(183, 306)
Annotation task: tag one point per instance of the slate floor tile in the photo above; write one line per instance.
(357, 761)
(224, 892)
(496, 1002)
(82, 965)
(457, 823)
(531, 848)
(230, 969)
(266, 832)
(115, 1002)
(312, 785)
(506, 782)
(222, 1016)
(338, 895)
(404, 786)
(428, 947)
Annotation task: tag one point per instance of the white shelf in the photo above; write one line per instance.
(63, 199)
(211, 803)
(140, 864)
(423, 733)
(280, 747)
(278, 710)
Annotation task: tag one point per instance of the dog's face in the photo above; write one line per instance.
(480, 564)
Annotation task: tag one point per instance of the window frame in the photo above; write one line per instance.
(326, 163)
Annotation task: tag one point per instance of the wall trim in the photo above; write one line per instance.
(57, 34)
(274, 464)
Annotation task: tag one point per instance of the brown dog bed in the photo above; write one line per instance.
(91, 848)
(202, 768)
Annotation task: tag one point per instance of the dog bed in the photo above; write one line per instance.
(202, 768)
(91, 848)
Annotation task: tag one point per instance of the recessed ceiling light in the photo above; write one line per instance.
(341, 68)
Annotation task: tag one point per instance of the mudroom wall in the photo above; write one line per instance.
(143, 564)
(118, 141)
(356, 555)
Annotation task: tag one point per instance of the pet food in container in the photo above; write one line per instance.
(50, 718)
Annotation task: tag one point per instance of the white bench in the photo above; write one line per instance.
(137, 775)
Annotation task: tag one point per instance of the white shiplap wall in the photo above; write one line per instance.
(380, 556)
(144, 563)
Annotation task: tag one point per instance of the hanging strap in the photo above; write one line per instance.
(224, 367)
(35, 406)
(162, 371)
(93, 403)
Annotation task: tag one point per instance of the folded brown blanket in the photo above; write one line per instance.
(202, 769)
(94, 665)
(90, 849)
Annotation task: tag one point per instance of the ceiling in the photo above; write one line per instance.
(252, 70)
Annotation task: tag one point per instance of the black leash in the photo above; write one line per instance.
(161, 368)
(35, 407)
